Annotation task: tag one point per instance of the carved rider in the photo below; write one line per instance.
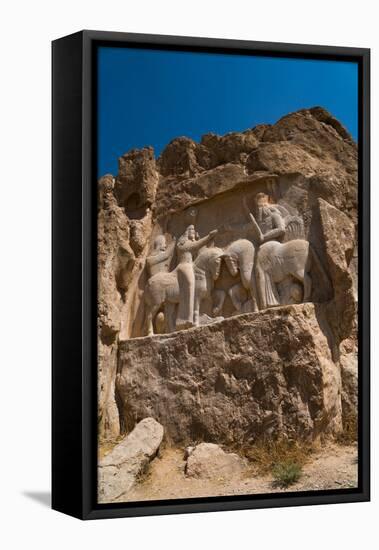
(267, 220)
(188, 245)
(161, 255)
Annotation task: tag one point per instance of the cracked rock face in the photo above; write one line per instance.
(260, 374)
(272, 372)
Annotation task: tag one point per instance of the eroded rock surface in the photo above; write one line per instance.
(119, 469)
(338, 234)
(349, 377)
(269, 373)
(209, 461)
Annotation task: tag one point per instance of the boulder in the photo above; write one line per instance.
(209, 461)
(118, 470)
(269, 373)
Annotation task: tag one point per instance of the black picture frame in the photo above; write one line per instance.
(74, 206)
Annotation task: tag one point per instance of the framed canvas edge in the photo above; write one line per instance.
(90, 508)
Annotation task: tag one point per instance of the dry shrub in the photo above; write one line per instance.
(265, 455)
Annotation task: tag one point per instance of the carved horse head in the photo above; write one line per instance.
(209, 261)
(239, 256)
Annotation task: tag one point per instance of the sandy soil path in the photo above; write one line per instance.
(332, 467)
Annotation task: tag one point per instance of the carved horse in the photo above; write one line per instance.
(163, 288)
(239, 257)
(276, 261)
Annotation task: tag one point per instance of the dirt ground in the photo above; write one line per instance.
(331, 467)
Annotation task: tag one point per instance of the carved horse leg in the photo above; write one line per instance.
(219, 296)
(150, 316)
(304, 278)
(267, 291)
(169, 314)
(307, 287)
(254, 292)
(235, 295)
(186, 281)
(261, 286)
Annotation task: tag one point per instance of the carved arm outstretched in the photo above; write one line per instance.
(194, 246)
(155, 259)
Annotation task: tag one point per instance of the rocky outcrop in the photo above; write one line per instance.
(260, 374)
(136, 182)
(338, 238)
(233, 380)
(349, 374)
(209, 461)
(116, 261)
(349, 377)
(119, 469)
(123, 225)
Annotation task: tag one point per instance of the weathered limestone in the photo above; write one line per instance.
(209, 461)
(338, 234)
(137, 180)
(349, 376)
(119, 469)
(269, 373)
(116, 261)
(283, 199)
(180, 158)
(123, 233)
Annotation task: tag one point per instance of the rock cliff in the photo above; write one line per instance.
(276, 371)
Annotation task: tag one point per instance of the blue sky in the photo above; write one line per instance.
(149, 97)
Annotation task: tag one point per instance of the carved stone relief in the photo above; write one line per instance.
(189, 281)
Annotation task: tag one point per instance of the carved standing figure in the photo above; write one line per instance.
(267, 220)
(273, 222)
(187, 246)
(161, 255)
(163, 288)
